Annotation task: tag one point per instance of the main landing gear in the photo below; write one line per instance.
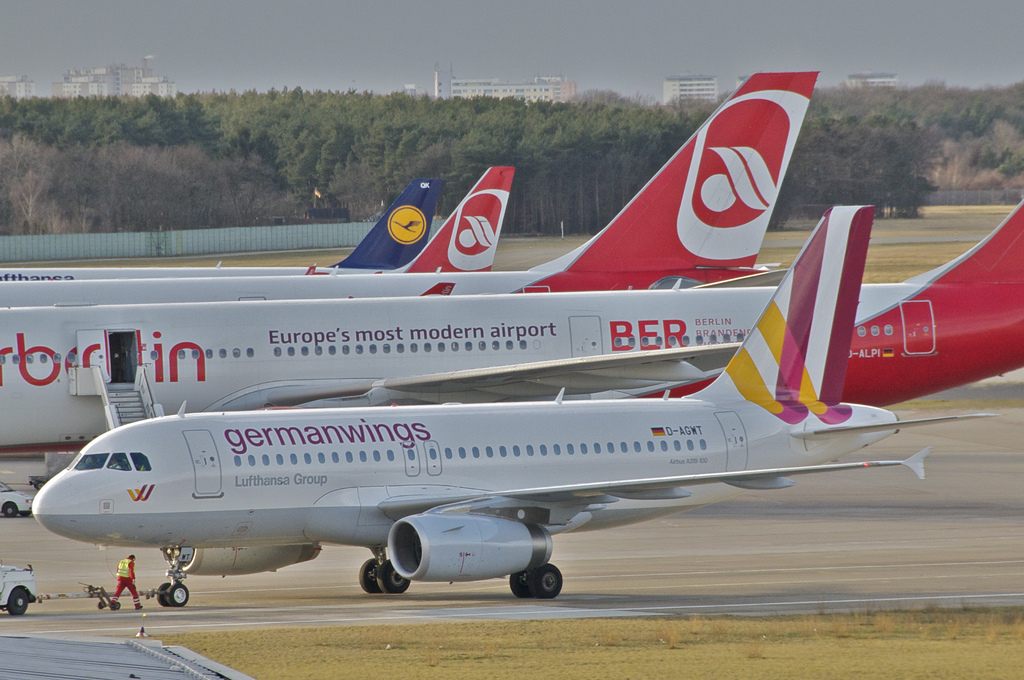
(174, 593)
(378, 575)
(543, 582)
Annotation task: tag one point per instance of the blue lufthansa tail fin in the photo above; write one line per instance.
(401, 233)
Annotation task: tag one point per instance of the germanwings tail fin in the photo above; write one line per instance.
(708, 206)
(401, 232)
(794, 359)
(999, 258)
(469, 237)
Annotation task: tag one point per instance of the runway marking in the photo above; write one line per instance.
(537, 612)
(798, 569)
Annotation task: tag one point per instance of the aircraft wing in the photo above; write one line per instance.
(826, 432)
(566, 500)
(626, 372)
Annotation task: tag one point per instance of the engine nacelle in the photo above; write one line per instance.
(252, 560)
(436, 547)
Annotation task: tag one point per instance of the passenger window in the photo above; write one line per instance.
(529, 449)
(650, 446)
(92, 461)
(222, 353)
(320, 457)
(543, 449)
(250, 352)
(305, 351)
(266, 460)
(462, 452)
(376, 456)
(291, 351)
(280, 459)
(490, 452)
(119, 461)
(209, 354)
(141, 461)
(277, 351)
(515, 450)
(476, 452)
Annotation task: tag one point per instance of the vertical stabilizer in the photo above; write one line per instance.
(708, 206)
(469, 237)
(999, 258)
(794, 359)
(401, 232)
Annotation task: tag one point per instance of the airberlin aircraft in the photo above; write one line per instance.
(701, 218)
(63, 369)
(451, 492)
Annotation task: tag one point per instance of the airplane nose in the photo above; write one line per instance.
(49, 509)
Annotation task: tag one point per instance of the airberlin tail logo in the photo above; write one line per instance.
(407, 224)
(735, 171)
(143, 493)
(477, 227)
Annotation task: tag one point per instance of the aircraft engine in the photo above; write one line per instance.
(237, 561)
(438, 547)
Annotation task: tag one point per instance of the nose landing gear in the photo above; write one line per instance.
(174, 593)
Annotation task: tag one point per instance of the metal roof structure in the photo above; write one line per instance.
(36, 657)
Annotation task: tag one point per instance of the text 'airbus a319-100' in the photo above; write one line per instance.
(470, 492)
(701, 218)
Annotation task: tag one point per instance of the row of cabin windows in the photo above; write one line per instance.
(401, 348)
(658, 341)
(475, 452)
(114, 461)
(863, 331)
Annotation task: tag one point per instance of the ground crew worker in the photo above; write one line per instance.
(126, 579)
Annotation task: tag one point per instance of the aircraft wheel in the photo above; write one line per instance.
(389, 580)
(177, 595)
(17, 601)
(545, 582)
(10, 510)
(368, 577)
(519, 584)
(161, 595)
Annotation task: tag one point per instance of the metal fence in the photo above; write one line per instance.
(190, 242)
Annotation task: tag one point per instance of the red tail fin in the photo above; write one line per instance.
(469, 237)
(710, 204)
(999, 258)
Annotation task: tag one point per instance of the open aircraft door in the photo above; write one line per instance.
(92, 351)
(735, 440)
(205, 463)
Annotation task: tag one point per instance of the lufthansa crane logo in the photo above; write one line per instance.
(407, 224)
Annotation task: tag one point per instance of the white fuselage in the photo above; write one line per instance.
(319, 476)
(223, 288)
(243, 355)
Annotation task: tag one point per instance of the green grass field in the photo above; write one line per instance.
(931, 643)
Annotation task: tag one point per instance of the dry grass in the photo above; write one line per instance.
(933, 643)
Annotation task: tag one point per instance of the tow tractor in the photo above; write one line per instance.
(18, 590)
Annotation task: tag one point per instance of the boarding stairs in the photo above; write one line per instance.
(123, 403)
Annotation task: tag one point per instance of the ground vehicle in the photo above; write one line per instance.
(13, 503)
(17, 589)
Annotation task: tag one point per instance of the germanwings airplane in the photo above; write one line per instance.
(702, 218)
(398, 242)
(451, 492)
(64, 370)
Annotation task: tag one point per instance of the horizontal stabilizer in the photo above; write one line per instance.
(767, 279)
(825, 433)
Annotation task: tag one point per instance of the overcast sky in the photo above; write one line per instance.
(624, 45)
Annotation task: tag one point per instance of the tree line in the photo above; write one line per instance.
(231, 159)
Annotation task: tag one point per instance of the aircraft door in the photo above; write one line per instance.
(585, 335)
(432, 452)
(124, 357)
(205, 463)
(918, 326)
(735, 440)
(92, 351)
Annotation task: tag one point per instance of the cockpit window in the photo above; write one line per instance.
(141, 461)
(92, 461)
(119, 461)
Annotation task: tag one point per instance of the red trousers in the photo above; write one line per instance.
(123, 583)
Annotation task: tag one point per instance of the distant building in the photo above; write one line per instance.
(689, 87)
(113, 81)
(872, 80)
(540, 89)
(18, 87)
(413, 91)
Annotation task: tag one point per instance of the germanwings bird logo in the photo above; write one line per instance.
(793, 362)
(141, 494)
